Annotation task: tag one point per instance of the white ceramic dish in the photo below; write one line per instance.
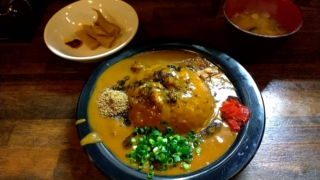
(62, 26)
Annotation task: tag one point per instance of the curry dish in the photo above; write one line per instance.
(175, 88)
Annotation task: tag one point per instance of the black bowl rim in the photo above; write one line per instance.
(234, 160)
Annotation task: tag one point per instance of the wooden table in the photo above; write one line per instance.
(39, 93)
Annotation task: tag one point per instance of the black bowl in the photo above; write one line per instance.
(229, 164)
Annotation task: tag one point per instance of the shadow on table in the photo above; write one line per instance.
(216, 5)
(19, 20)
(73, 162)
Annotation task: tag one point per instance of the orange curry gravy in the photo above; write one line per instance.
(112, 132)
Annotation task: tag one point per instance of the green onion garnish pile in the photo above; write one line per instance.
(160, 151)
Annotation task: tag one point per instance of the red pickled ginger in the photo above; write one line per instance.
(234, 113)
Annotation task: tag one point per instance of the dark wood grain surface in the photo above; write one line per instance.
(39, 92)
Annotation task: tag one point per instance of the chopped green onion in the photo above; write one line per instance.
(150, 174)
(133, 140)
(186, 166)
(163, 122)
(162, 157)
(176, 159)
(150, 147)
(140, 130)
(159, 139)
(151, 141)
(169, 129)
(196, 143)
(141, 140)
(155, 150)
(161, 168)
(198, 150)
(155, 132)
(187, 160)
(147, 128)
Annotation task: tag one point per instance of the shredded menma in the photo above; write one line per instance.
(112, 102)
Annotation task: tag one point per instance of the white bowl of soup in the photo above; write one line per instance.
(270, 19)
(152, 97)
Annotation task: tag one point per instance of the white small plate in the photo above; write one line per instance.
(63, 25)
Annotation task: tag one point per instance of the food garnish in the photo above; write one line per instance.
(112, 102)
(103, 40)
(102, 32)
(110, 28)
(87, 40)
(234, 113)
(154, 150)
